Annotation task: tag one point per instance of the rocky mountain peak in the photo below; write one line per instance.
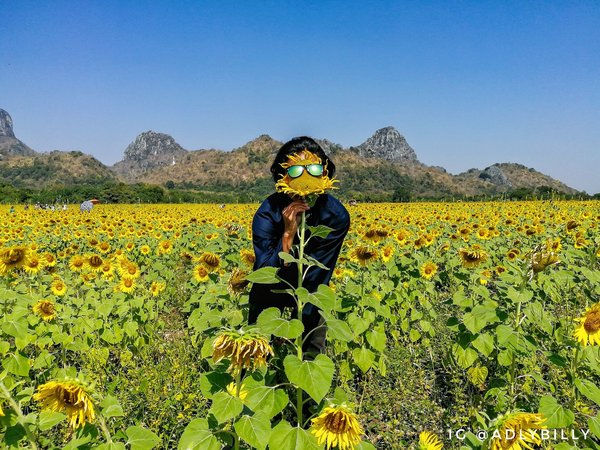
(148, 151)
(6, 124)
(9, 144)
(154, 147)
(388, 143)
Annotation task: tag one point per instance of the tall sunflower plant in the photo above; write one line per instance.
(276, 395)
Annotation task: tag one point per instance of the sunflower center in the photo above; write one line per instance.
(47, 308)
(15, 256)
(95, 261)
(592, 322)
(67, 396)
(337, 422)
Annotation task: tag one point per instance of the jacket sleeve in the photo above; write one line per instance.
(266, 238)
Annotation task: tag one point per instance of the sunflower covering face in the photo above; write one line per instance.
(305, 185)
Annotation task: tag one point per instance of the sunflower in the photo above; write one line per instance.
(157, 287)
(233, 391)
(107, 270)
(145, 249)
(164, 247)
(200, 273)
(127, 285)
(131, 270)
(473, 256)
(12, 258)
(428, 270)
(1, 411)
(363, 255)
(306, 184)
(517, 431)
(94, 262)
(33, 264)
(45, 309)
(76, 263)
(429, 441)
(69, 396)
(247, 257)
(245, 350)
(540, 259)
(210, 260)
(49, 259)
(589, 326)
(58, 286)
(237, 282)
(337, 427)
(387, 252)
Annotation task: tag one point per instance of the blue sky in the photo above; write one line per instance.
(468, 83)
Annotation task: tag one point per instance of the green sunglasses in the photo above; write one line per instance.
(316, 170)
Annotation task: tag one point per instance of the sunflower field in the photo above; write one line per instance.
(450, 325)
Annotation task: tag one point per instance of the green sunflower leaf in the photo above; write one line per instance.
(255, 430)
(141, 439)
(197, 436)
(314, 377)
(286, 437)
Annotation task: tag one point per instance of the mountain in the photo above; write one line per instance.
(382, 168)
(384, 165)
(9, 144)
(388, 143)
(148, 151)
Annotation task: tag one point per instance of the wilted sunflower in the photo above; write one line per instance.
(210, 260)
(428, 270)
(247, 257)
(338, 427)
(473, 256)
(363, 255)
(517, 431)
(589, 326)
(305, 184)
(541, 258)
(245, 350)
(237, 282)
(69, 396)
(429, 441)
(12, 258)
(45, 309)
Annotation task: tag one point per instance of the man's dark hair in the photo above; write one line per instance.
(296, 145)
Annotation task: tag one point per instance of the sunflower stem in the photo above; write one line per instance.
(300, 307)
(104, 429)
(20, 417)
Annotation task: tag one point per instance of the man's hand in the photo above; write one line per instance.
(292, 214)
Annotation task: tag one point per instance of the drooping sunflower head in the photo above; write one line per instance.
(588, 330)
(70, 396)
(337, 427)
(237, 282)
(363, 255)
(245, 349)
(540, 259)
(305, 175)
(517, 430)
(210, 260)
(429, 441)
(473, 256)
